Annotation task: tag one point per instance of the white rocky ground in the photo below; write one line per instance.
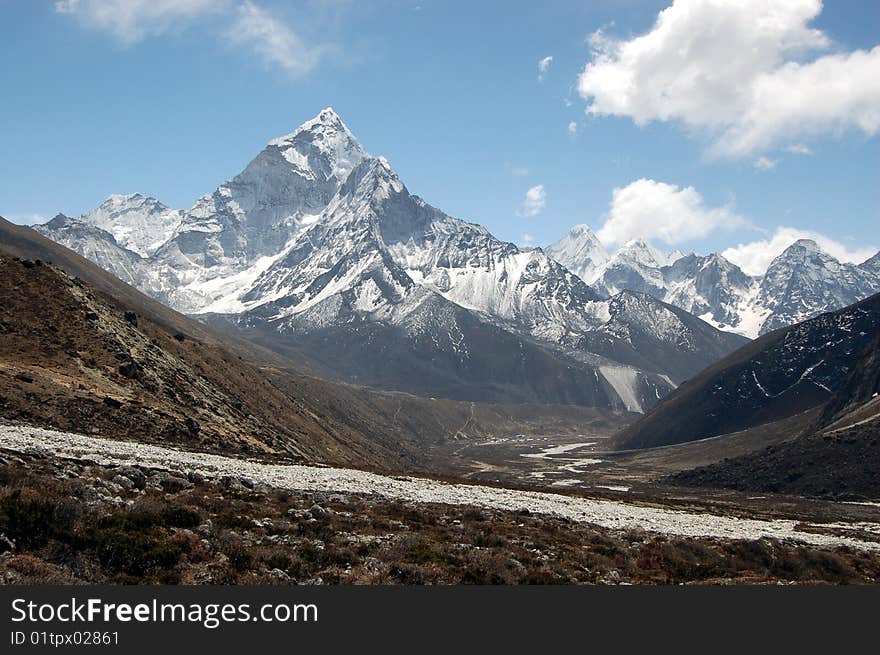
(605, 513)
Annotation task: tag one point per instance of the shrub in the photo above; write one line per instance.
(31, 520)
(423, 552)
(134, 553)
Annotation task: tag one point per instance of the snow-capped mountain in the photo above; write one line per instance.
(804, 281)
(800, 283)
(232, 234)
(319, 250)
(98, 245)
(872, 265)
(581, 251)
(635, 267)
(383, 258)
(138, 223)
(713, 288)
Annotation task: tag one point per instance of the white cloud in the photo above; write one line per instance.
(130, 21)
(272, 40)
(572, 128)
(544, 66)
(657, 210)
(737, 71)
(527, 239)
(799, 149)
(534, 202)
(763, 163)
(754, 258)
(249, 26)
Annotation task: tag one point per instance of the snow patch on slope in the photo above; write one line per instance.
(624, 381)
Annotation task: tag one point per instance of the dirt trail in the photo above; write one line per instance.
(605, 513)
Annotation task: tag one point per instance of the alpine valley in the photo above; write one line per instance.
(575, 294)
(314, 376)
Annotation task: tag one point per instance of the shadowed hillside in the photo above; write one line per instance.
(779, 375)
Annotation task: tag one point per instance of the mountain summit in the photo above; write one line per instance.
(139, 223)
(581, 251)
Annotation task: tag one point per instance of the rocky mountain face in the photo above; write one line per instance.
(800, 283)
(858, 401)
(98, 245)
(318, 250)
(636, 266)
(779, 375)
(872, 265)
(803, 281)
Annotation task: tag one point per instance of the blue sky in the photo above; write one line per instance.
(172, 98)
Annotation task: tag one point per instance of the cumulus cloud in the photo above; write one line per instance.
(572, 128)
(654, 210)
(657, 210)
(738, 71)
(534, 202)
(754, 258)
(763, 163)
(130, 21)
(544, 66)
(272, 40)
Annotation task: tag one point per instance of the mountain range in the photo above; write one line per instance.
(318, 251)
(800, 283)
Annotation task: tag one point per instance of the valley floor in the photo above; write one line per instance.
(588, 461)
(621, 514)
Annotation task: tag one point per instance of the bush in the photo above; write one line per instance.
(134, 553)
(138, 543)
(174, 517)
(239, 557)
(32, 520)
(423, 552)
(487, 539)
